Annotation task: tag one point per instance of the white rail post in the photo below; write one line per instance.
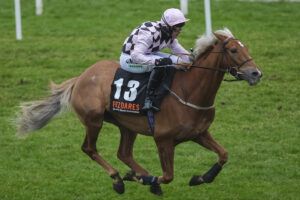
(184, 6)
(38, 7)
(18, 20)
(207, 17)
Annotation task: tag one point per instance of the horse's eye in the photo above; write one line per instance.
(233, 50)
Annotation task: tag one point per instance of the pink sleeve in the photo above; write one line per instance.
(179, 50)
(138, 55)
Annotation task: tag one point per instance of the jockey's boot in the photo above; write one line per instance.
(154, 81)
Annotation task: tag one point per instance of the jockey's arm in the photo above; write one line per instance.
(181, 52)
(138, 55)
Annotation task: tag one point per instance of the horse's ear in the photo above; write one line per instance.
(220, 37)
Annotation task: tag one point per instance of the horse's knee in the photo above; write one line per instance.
(84, 148)
(123, 158)
(120, 156)
(223, 157)
(88, 152)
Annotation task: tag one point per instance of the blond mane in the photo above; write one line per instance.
(205, 41)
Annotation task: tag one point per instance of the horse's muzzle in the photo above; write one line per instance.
(251, 74)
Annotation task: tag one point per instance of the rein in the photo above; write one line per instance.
(228, 69)
(211, 68)
(234, 71)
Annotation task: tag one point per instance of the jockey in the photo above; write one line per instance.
(143, 47)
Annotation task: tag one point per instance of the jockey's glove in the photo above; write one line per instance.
(163, 61)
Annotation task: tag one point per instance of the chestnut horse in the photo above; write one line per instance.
(186, 112)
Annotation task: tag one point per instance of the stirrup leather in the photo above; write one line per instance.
(148, 105)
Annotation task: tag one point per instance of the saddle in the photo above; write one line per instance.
(128, 90)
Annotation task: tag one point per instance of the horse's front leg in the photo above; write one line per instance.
(166, 154)
(206, 140)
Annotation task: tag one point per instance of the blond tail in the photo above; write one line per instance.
(36, 114)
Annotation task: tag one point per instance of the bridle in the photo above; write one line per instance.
(233, 70)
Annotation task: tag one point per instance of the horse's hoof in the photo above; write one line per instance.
(119, 187)
(156, 189)
(196, 180)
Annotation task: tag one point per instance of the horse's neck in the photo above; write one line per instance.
(200, 86)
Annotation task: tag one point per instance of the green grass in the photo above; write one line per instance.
(259, 126)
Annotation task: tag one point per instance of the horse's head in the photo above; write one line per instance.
(237, 59)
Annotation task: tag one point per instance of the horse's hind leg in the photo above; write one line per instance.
(207, 141)
(125, 152)
(93, 123)
(138, 173)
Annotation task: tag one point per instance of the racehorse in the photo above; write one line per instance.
(186, 115)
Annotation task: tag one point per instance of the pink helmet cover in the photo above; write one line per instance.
(173, 16)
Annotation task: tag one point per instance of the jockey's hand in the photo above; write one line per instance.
(183, 66)
(163, 61)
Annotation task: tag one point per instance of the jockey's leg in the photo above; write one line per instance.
(156, 77)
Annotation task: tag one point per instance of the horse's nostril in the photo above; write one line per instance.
(255, 74)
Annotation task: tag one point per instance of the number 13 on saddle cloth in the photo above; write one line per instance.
(128, 90)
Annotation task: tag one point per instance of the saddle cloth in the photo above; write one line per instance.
(128, 90)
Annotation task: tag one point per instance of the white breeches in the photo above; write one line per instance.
(125, 61)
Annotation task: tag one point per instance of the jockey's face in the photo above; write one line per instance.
(176, 30)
